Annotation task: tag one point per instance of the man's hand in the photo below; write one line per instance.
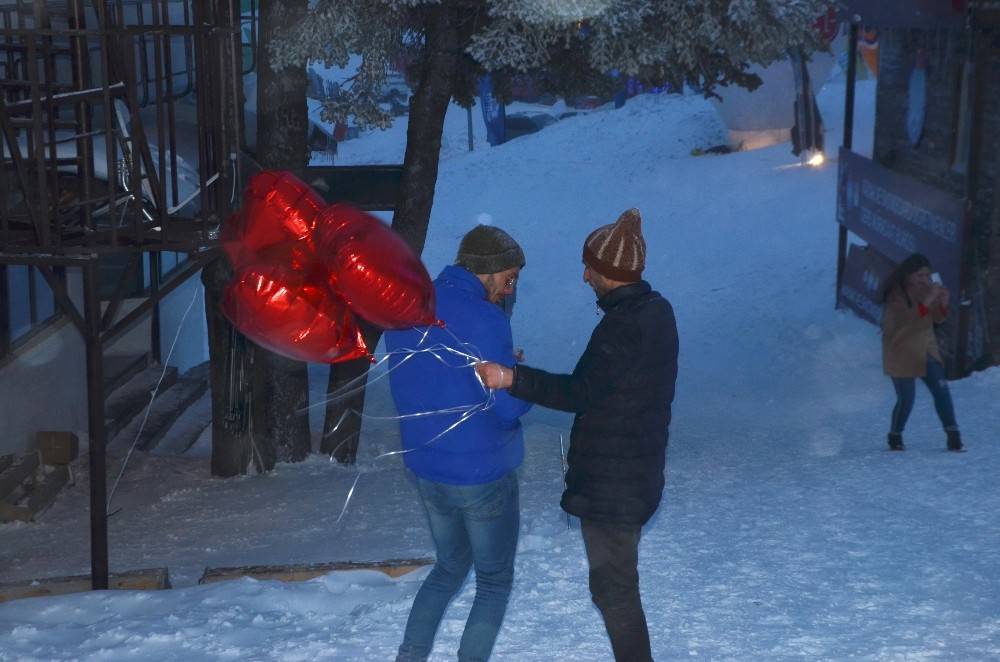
(495, 375)
(943, 297)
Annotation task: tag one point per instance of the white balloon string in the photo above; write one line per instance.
(355, 385)
(152, 398)
(361, 382)
(440, 352)
(464, 417)
(461, 419)
(350, 495)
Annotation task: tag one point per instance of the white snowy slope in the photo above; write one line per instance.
(786, 532)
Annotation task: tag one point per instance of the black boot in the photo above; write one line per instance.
(896, 441)
(954, 440)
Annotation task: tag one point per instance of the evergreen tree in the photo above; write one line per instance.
(566, 45)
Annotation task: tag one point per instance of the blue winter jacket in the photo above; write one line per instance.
(486, 445)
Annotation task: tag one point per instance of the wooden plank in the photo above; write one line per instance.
(12, 478)
(150, 579)
(11, 513)
(302, 572)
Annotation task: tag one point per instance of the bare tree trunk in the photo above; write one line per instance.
(232, 451)
(231, 445)
(280, 385)
(428, 106)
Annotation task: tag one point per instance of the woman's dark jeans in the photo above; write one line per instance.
(906, 393)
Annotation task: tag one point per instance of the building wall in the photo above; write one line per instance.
(931, 160)
(43, 385)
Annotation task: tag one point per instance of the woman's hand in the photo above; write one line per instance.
(934, 294)
(495, 375)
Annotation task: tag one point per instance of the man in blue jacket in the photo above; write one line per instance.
(466, 455)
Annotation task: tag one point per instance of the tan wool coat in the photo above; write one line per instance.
(908, 336)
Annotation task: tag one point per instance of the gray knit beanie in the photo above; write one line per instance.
(486, 249)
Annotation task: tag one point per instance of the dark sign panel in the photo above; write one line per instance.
(865, 274)
(371, 187)
(899, 216)
(937, 14)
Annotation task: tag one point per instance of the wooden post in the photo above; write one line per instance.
(852, 75)
(976, 56)
(5, 332)
(154, 289)
(95, 426)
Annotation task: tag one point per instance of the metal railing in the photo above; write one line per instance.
(119, 122)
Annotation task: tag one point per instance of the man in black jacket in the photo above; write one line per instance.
(620, 391)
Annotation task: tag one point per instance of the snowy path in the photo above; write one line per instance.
(787, 532)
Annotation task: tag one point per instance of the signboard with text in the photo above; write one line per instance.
(899, 216)
(865, 275)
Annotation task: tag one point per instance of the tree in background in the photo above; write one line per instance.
(259, 398)
(569, 46)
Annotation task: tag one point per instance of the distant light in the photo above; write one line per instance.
(816, 159)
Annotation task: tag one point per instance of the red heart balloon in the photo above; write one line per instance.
(292, 312)
(376, 272)
(278, 207)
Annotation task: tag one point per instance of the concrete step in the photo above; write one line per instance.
(188, 427)
(132, 398)
(19, 471)
(35, 495)
(169, 404)
(120, 368)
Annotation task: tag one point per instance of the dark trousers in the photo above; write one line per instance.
(906, 393)
(613, 554)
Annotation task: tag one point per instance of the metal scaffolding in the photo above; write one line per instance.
(120, 126)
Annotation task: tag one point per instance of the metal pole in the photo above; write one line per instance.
(852, 75)
(977, 57)
(469, 115)
(5, 336)
(83, 113)
(95, 420)
(154, 288)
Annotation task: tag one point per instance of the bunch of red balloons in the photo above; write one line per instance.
(305, 271)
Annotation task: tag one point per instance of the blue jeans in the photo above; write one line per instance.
(472, 525)
(906, 393)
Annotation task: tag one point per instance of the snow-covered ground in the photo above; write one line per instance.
(787, 531)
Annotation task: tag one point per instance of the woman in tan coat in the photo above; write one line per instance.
(913, 305)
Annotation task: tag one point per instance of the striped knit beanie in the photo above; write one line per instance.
(617, 251)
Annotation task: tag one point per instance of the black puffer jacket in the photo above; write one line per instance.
(621, 391)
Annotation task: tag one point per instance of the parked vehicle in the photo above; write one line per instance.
(522, 124)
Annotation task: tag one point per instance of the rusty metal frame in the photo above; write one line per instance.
(57, 211)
